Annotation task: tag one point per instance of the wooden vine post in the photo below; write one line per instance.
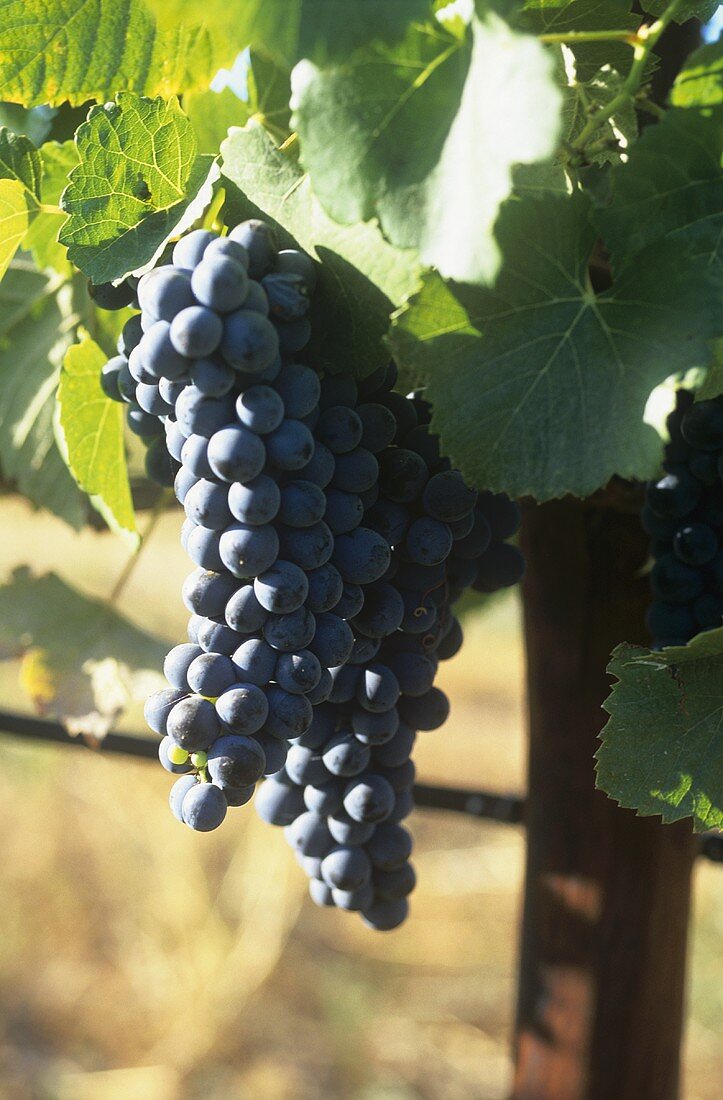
(607, 894)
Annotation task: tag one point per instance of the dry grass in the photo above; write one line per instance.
(139, 961)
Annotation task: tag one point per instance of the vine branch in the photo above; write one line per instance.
(645, 40)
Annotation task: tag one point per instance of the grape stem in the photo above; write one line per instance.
(573, 37)
(645, 40)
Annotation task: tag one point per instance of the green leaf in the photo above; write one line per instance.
(360, 134)
(36, 314)
(82, 661)
(269, 88)
(42, 237)
(20, 173)
(713, 382)
(292, 29)
(565, 16)
(662, 750)
(438, 186)
(139, 182)
(671, 184)
(694, 9)
(35, 123)
(15, 213)
(539, 386)
(75, 50)
(212, 114)
(700, 81)
(362, 277)
(20, 160)
(92, 427)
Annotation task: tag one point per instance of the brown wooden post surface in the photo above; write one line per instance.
(607, 894)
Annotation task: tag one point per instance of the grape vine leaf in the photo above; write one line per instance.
(212, 114)
(438, 187)
(671, 184)
(14, 220)
(662, 748)
(82, 661)
(694, 9)
(539, 385)
(713, 383)
(361, 277)
(20, 160)
(91, 426)
(140, 181)
(291, 29)
(52, 51)
(700, 82)
(58, 159)
(20, 171)
(35, 310)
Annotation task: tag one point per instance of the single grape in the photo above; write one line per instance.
(247, 551)
(257, 238)
(255, 502)
(190, 250)
(206, 503)
(362, 556)
(236, 454)
(291, 632)
(243, 710)
(278, 802)
(196, 332)
(289, 715)
(298, 672)
(255, 662)
(159, 705)
(347, 868)
(325, 588)
(210, 674)
(211, 377)
(177, 663)
(173, 758)
(282, 588)
(345, 756)
(236, 761)
(250, 342)
(179, 790)
(302, 504)
(204, 807)
(193, 723)
(383, 915)
(220, 282)
(290, 446)
(260, 409)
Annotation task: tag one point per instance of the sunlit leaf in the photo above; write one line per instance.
(92, 429)
(662, 750)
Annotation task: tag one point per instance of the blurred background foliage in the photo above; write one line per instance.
(139, 960)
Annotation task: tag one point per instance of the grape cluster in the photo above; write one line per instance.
(347, 783)
(330, 539)
(683, 514)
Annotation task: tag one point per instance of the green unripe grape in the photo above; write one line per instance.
(199, 759)
(177, 755)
